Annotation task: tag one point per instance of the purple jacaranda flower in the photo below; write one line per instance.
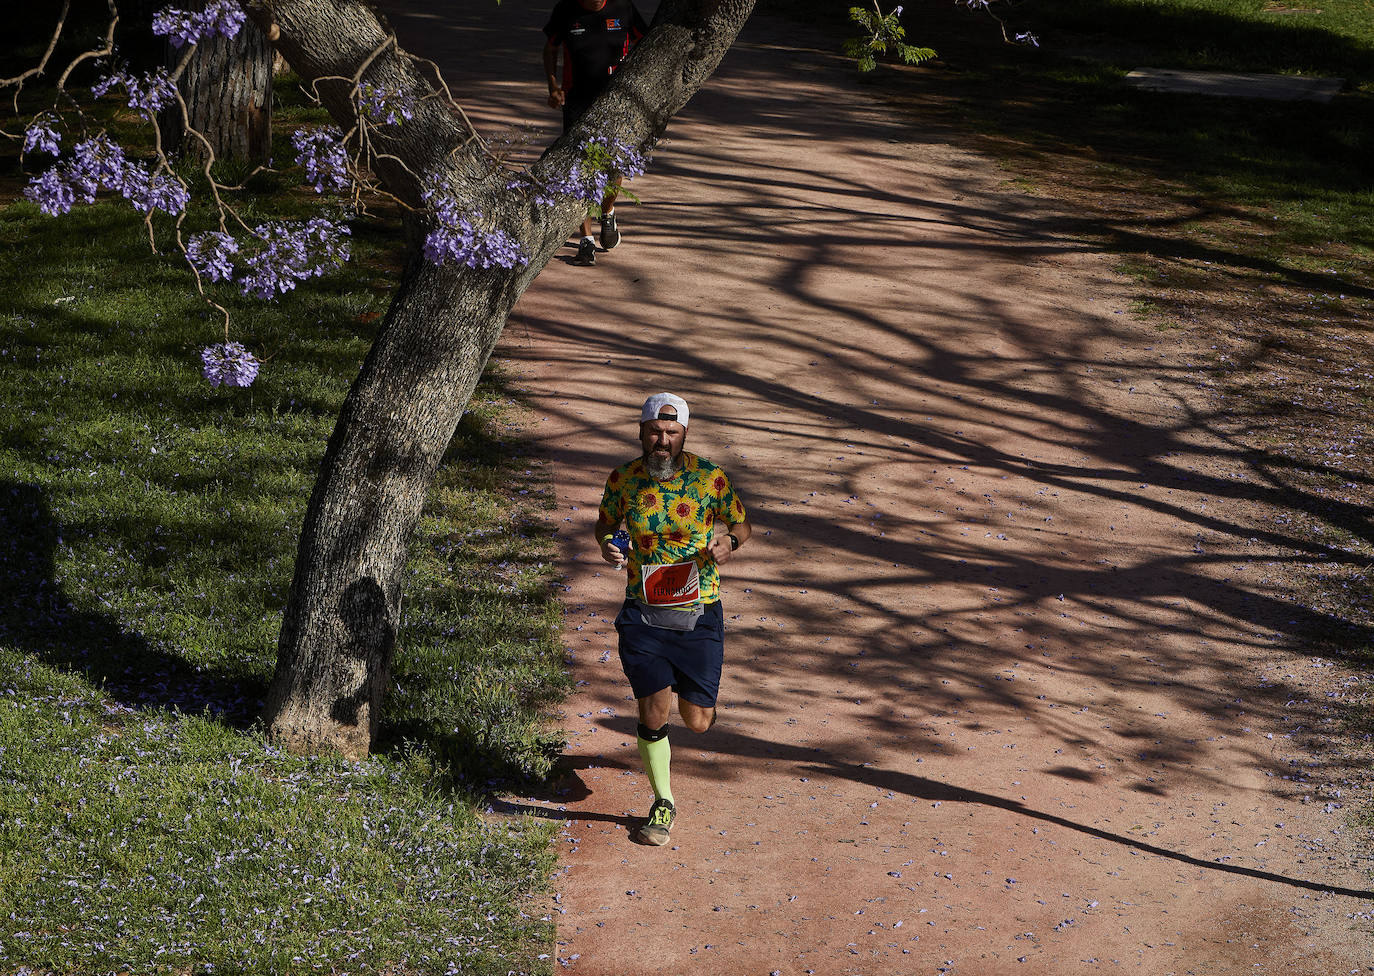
(100, 162)
(291, 252)
(148, 94)
(602, 158)
(162, 190)
(53, 194)
(42, 136)
(175, 25)
(180, 27)
(230, 364)
(455, 238)
(326, 237)
(151, 93)
(211, 254)
(385, 105)
(321, 153)
(166, 192)
(95, 163)
(281, 255)
(222, 17)
(102, 86)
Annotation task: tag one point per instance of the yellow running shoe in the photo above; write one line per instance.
(655, 829)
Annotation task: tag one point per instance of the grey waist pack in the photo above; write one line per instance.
(670, 618)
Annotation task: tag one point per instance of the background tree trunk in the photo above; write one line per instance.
(343, 611)
(228, 91)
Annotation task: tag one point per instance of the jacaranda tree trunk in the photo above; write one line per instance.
(342, 614)
(227, 87)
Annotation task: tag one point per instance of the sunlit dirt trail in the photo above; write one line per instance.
(1007, 686)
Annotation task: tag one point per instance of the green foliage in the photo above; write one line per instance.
(883, 35)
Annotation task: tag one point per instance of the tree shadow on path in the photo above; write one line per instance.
(822, 762)
(922, 788)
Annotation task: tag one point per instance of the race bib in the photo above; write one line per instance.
(671, 585)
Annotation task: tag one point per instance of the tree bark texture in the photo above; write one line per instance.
(227, 87)
(343, 611)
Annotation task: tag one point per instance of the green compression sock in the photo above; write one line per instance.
(657, 754)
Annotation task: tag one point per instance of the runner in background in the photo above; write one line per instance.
(672, 627)
(591, 38)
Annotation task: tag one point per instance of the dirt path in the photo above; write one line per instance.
(1006, 687)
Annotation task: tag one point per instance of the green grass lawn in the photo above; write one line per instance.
(148, 529)
(1302, 166)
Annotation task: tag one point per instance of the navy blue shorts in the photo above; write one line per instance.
(688, 661)
(572, 111)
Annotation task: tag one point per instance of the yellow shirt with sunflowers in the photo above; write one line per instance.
(671, 521)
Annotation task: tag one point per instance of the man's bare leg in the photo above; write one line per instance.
(654, 711)
(695, 717)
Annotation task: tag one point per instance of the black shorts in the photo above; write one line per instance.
(575, 109)
(687, 661)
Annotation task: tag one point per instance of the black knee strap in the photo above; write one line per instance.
(652, 735)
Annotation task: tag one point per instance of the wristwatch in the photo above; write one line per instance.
(734, 541)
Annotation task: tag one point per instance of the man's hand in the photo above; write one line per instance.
(614, 556)
(556, 97)
(719, 549)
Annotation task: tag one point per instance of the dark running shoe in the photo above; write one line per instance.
(586, 253)
(610, 234)
(660, 822)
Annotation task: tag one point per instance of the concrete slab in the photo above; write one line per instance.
(1283, 88)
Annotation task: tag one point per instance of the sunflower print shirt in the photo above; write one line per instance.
(671, 521)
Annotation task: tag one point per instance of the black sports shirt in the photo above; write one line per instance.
(593, 41)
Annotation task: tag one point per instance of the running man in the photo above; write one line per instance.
(671, 627)
(591, 37)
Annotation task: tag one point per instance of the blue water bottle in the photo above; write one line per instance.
(621, 540)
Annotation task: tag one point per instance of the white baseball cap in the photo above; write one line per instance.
(658, 401)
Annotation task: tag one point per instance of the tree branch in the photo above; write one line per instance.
(38, 69)
(103, 52)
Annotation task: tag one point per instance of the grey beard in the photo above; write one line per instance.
(661, 468)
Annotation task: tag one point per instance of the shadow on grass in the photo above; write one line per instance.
(37, 617)
(1174, 35)
(1179, 36)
